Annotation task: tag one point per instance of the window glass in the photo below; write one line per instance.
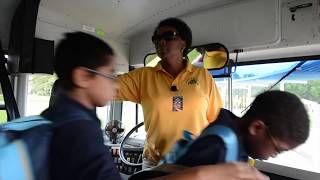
(129, 116)
(3, 113)
(103, 114)
(222, 84)
(250, 80)
(38, 94)
(3, 116)
(140, 114)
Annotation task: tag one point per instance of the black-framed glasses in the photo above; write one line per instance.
(278, 150)
(167, 36)
(108, 76)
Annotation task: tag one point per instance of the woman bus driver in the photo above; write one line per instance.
(174, 95)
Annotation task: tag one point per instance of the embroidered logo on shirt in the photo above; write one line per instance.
(192, 81)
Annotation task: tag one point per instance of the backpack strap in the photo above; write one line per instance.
(24, 123)
(178, 149)
(228, 137)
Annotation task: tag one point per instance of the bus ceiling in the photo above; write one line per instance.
(252, 25)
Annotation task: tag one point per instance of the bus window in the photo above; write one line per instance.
(250, 80)
(3, 113)
(129, 116)
(103, 114)
(222, 84)
(38, 94)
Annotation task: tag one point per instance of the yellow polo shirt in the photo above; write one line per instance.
(151, 87)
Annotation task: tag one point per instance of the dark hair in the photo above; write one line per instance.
(283, 113)
(183, 29)
(79, 49)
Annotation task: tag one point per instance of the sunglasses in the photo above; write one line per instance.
(108, 76)
(167, 36)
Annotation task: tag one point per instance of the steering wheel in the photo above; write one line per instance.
(123, 159)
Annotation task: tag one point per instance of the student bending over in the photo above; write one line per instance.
(276, 121)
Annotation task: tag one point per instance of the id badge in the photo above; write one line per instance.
(177, 103)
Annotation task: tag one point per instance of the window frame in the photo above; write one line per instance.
(277, 169)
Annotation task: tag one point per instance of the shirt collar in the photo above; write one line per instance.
(189, 67)
(65, 106)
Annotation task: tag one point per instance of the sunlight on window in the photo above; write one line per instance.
(222, 84)
(129, 116)
(3, 113)
(251, 80)
(38, 95)
(103, 114)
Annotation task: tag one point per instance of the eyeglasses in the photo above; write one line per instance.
(167, 36)
(278, 150)
(108, 76)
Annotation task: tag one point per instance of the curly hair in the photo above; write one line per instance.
(283, 113)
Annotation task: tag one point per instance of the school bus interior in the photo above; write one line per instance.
(264, 40)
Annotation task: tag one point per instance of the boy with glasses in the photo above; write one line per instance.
(84, 66)
(276, 121)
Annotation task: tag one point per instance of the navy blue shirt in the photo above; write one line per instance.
(77, 149)
(211, 149)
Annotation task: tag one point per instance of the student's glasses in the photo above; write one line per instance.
(278, 150)
(108, 76)
(167, 36)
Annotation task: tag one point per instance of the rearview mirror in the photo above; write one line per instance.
(210, 56)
